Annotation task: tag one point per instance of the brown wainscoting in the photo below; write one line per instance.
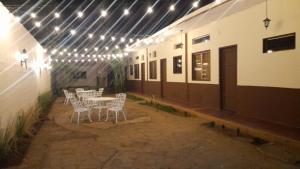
(175, 92)
(152, 88)
(277, 105)
(204, 95)
(134, 86)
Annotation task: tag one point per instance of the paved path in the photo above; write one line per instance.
(158, 141)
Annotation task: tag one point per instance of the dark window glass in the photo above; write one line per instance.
(79, 75)
(278, 43)
(136, 71)
(177, 65)
(131, 69)
(201, 66)
(152, 71)
(201, 39)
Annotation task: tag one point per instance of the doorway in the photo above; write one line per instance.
(163, 76)
(228, 78)
(142, 77)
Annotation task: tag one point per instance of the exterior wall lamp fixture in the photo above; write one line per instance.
(267, 20)
(181, 43)
(24, 58)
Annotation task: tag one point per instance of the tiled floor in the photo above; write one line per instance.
(149, 139)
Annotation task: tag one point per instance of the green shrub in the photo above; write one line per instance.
(21, 124)
(158, 106)
(45, 102)
(7, 141)
(134, 98)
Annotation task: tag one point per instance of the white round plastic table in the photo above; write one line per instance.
(101, 99)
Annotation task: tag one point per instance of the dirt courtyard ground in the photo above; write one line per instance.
(150, 139)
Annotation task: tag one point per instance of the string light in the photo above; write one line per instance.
(102, 37)
(149, 10)
(103, 13)
(38, 24)
(75, 50)
(80, 14)
(56, 15)
(172, 8)
(73, 32)
(195, 4)
(131, 40)
(126, 11)
(113, 38)
(117, 47)
(96, 49)
(106, 48)
(122, 39)
(33, 15)
(86, 49)
(56, 28)
(90, 36)
(82, 55)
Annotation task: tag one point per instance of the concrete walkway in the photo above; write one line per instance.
(149, 139)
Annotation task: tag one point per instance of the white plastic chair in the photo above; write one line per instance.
(79, 89)
(79, 108)
(68, 96)
(100, 92)
(117, 106)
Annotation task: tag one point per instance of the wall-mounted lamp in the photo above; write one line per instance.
(180, 45)
(267, 20)
(24, 58)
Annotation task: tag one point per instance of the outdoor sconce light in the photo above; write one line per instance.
(267, 20)
(24, 58)
(180, 45)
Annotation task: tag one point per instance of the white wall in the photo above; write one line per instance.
(240, 22)
(19, 87)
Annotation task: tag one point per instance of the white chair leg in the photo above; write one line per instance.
(99, 113)
(78, 118)
(107, 111)
(124, 115)
(116, 116)
(89, 115)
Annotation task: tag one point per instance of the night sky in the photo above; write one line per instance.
(135, 25)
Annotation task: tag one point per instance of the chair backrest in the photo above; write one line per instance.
(79, 89)
(121, 98)
(65, 93)
(100, 92)
(77, 104)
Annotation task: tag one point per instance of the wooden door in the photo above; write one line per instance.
(163, 76)
(142, 77)
(228, 78)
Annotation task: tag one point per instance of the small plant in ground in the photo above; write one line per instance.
(7, 142)
(44, 103)
(134, 98)
(21, 124)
